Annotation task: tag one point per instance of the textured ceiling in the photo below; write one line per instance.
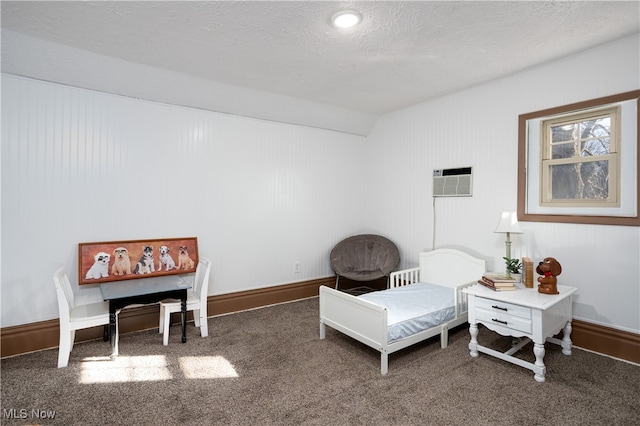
(401, 54)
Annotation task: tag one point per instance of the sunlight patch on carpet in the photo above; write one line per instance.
(207, 367)
(124, 369)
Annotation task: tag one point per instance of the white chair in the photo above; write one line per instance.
(74, 317)
(196, 302)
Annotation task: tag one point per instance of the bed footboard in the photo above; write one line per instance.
(357, 318)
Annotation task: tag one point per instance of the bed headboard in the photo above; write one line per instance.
(450, 267)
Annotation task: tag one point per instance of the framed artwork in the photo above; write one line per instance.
(124, 260)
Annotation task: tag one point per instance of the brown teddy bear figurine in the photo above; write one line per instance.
(549, 268)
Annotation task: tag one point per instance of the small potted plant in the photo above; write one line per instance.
(514, 267)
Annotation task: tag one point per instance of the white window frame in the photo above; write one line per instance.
(613, 158)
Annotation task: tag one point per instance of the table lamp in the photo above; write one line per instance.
(508, 225)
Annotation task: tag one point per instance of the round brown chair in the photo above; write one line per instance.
(365, 257)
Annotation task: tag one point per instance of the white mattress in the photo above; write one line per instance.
(413, 308)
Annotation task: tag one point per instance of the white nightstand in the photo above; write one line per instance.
(523, 313)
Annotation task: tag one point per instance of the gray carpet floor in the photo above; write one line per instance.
(269, 367)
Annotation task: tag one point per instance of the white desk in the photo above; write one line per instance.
(123, 293)
(522, 313)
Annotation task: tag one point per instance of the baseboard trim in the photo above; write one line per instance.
(234, 302)
(605, 340)
(44, 334)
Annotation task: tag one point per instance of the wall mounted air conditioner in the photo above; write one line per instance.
(453, 182)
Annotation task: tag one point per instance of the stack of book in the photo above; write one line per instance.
(498, 282)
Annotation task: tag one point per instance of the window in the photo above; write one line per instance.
(578, 163)
(580, 159)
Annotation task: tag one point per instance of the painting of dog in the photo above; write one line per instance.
(165, 259)
(110, 261)
(100, 267)
(121, 262)
(145, 265)
(184, 260)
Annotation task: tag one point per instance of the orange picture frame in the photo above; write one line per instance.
(109, 261)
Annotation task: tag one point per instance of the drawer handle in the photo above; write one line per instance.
(497, 320)
(499, 307)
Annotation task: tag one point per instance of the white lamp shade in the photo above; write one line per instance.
(509, 223)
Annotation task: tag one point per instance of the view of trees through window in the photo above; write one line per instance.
(579, 157)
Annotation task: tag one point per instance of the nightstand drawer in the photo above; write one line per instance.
(498, 318)
(503, 308)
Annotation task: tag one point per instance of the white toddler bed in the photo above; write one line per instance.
(421, 302)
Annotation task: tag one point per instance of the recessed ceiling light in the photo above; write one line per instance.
(346, 19)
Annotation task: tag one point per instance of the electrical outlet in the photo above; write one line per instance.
(296, 267)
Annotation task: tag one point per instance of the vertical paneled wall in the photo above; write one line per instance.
(85, 166)
(81, 166)
(478, 127)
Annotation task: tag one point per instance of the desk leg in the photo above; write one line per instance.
(183, 306)
(113, 332)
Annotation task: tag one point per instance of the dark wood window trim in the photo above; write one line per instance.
(523, 215)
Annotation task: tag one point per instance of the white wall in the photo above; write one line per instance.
(81, 166)
(478, 127)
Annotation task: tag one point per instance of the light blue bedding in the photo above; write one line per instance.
(413, 308)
